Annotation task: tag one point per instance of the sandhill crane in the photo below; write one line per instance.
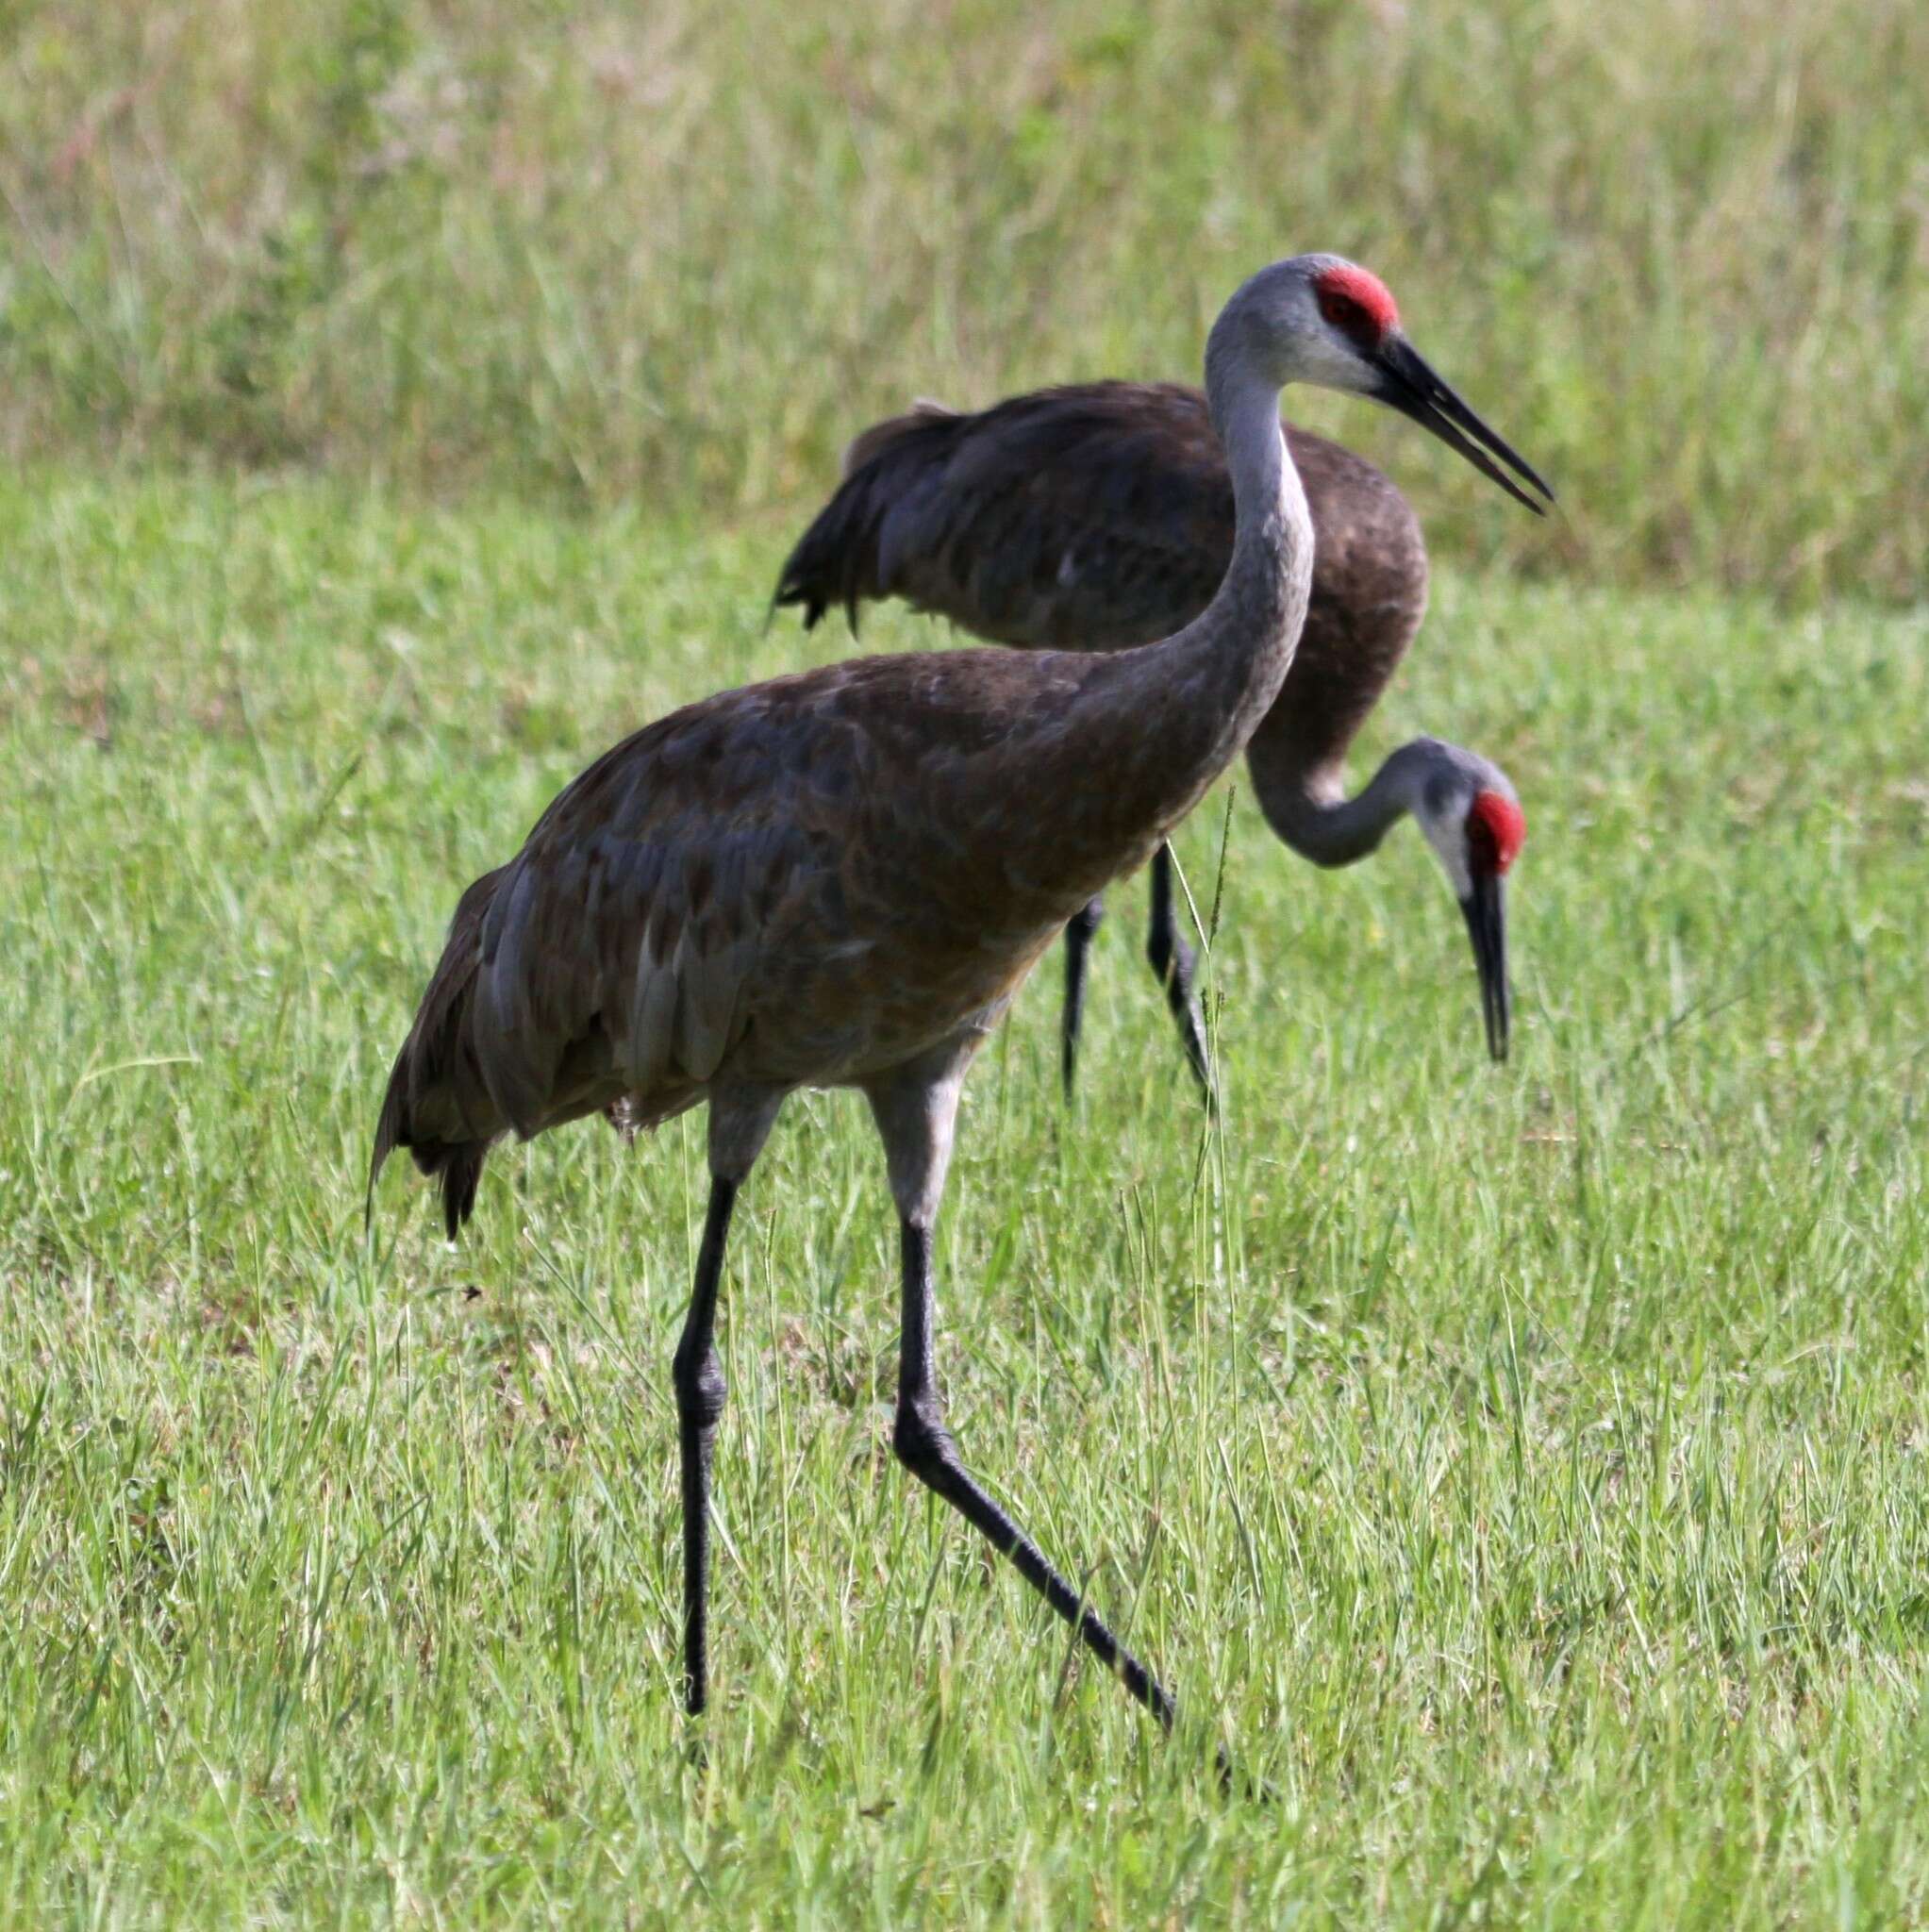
(1102, 514)
(841, 878)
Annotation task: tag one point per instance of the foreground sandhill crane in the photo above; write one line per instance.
(841, 879)
(1101, 515)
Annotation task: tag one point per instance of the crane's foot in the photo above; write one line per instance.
(1233, 1783)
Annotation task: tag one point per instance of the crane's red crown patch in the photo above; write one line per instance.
(1496, 828)
(1352, 299)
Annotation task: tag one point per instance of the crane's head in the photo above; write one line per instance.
(1473, 820)
(1323, 320)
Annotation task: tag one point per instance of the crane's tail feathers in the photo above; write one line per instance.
(880, 436)
(438, 1105)
(387, 1136)
(457, 1163)
(461, 1169)
(838, 559)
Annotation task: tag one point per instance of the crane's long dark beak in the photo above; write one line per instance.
(1486, 908)
(1409, 385)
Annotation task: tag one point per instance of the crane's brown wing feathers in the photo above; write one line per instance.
(608, 961)
(1094, 516)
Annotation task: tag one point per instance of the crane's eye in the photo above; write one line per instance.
(1358, 305)
(1347, 316)
(1483, 848)
(1495, 830)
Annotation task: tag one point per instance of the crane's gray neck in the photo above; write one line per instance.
(1312, 817)
(1167, 719)
(1245, 638)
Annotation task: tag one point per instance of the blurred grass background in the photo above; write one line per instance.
(1679, 251)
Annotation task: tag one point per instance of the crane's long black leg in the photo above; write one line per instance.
(699, 1381)
(1174, 962)
(925, 1447)
(916, 1107)
(1078, 937)
(741, 1120)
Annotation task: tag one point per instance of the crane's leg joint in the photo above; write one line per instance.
(921, 1441)
(700, 1389)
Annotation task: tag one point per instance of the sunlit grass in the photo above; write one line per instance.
(1523, 1470)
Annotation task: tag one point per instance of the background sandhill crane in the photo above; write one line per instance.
(842, 878)
(1103, 512)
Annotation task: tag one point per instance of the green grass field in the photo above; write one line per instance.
(1522, 1469)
